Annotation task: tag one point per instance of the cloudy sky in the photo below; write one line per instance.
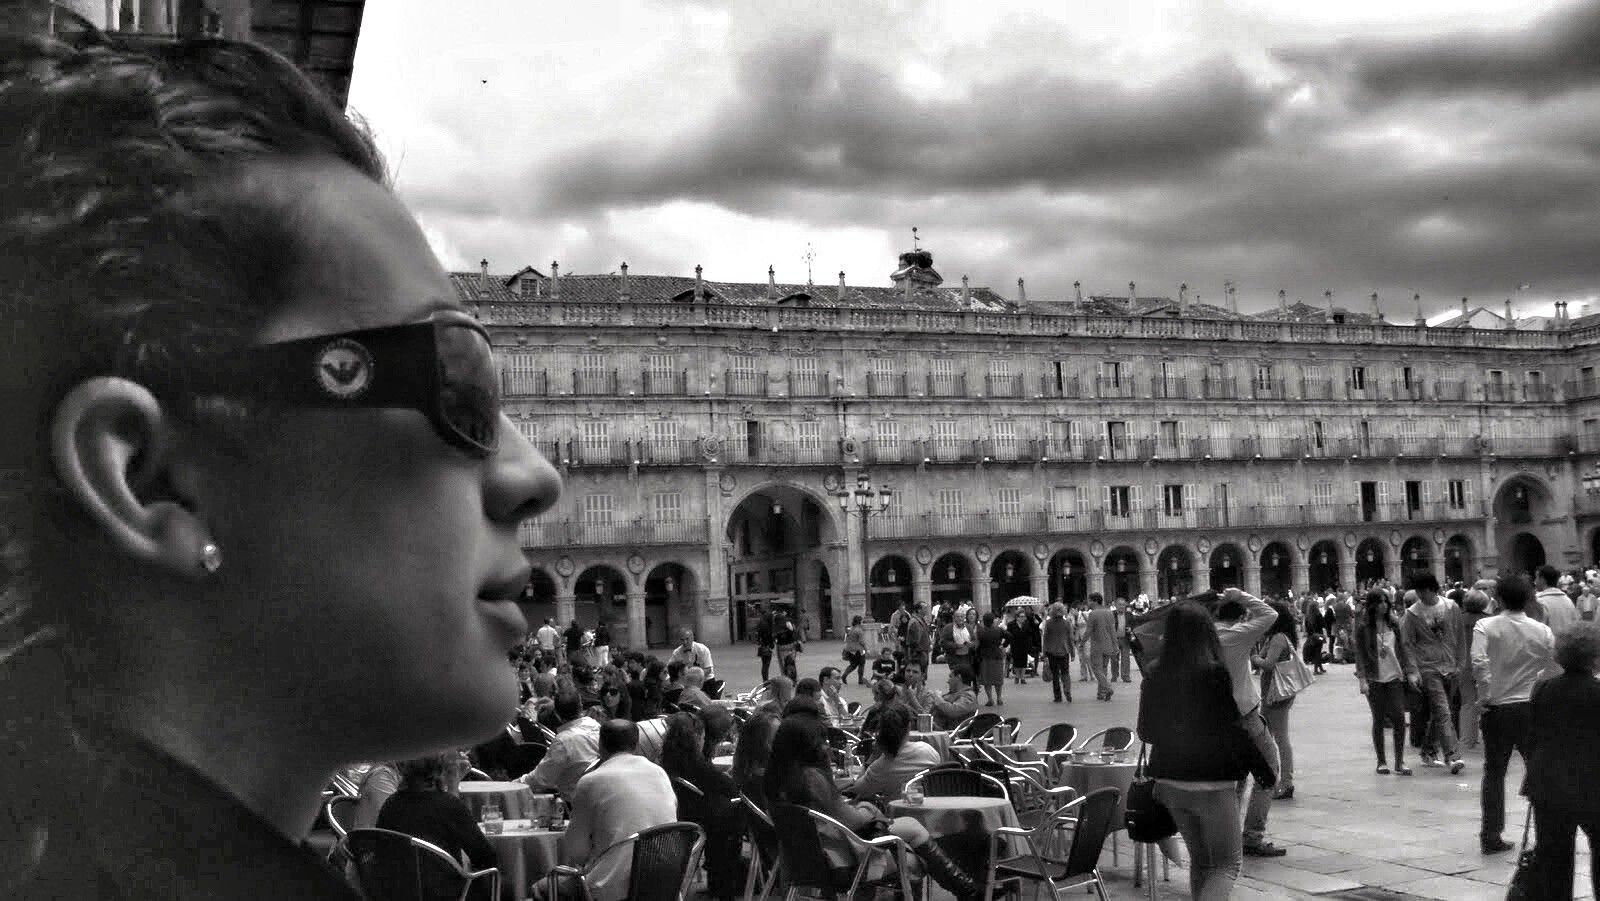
(1447, 147)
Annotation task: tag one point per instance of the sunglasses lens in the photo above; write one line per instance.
(469, 386)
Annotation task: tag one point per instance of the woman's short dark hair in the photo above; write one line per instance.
(1514, 592)
(751, 754)
(431, 772)
(988, 619)
(1284, 624)
(718, 725)
(1189, 642)
(894, 723)
(808, 686)
(1578, 647)
(964, 673)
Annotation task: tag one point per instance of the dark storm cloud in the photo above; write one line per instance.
(801, 115)
(1559, 52)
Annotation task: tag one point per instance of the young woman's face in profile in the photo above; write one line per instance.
(361, 543)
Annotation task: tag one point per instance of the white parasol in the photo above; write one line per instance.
(1024, 600)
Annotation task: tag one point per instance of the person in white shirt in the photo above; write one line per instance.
(623, 794)
(549, 639)
(1552, 605)
(692, 653)
(1510, 652)
(834, 708)
(1242, 620)
(576, 746)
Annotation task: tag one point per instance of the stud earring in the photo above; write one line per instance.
(210, 558)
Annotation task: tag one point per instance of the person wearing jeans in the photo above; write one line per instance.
(1056, 642)
(1510, 653)
(1242, 620)
(1432, 635)
(1279, 647)
(1381, 668)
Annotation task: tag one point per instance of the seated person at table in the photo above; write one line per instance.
(811, 690)
(833, 704)
(885, 666)
(623, 794)
(960, 702)
(673, 687)
(379, 782)
(750, 756)
(644, 687)
(576, 746)
(683, 757)
(652, 733)
(541, 707)
(775, 694)
(694, 679)
(427, 807)
(897, 758)
(914, 690)
(800, 773)
(884, 694)
(719, 725)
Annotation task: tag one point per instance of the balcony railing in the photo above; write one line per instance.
(1067, 387)
(592, 382)
(1450, 389)
(571, 532)
(1218, 388)
(1003, 385)
(1538, 392)
(668, 383)
(667, 452)
(1119, 387)
(1399, 390)
(875, 451)
(953, 384)
(886, 384)
(1316, 389)
(1499, 392)
(515, 383)
(810, 384)
(1580, 389)
(1174, 387)
(1269, 389)
(744, 383)
(1532, 447)
(597, 453)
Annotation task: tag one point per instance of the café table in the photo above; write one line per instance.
(1090, 774)
(952, 815)
(514, 798)
(525, 855)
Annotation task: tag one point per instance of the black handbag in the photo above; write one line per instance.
(1521, 887)
(1148, 820)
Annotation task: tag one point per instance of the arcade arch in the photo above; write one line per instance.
(600, 592)
(1416, 557)
(891, 586)
(1010, 575)
(1068, 573)
(1369, 562)
(1458, 562)
(1122, 574)
(1323, 569)
(1175, 572)
(1226, 564)
(779, 533)
(669, 599)
(952, 580)
(1276, 569)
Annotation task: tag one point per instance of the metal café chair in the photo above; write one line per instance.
(664, 859)
(1090, 819)
(949, 783)
(765, 859)
(398, 867)
(802, 833)
(340, 812)
(1116, 738)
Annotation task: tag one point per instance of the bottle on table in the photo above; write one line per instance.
(493, 818)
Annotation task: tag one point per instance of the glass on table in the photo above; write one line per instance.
(493, 819)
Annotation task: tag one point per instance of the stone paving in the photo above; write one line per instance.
(1350, 833)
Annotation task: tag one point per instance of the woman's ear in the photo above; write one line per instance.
(113, 449)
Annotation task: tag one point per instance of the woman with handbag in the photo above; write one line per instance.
(1188, 716)
(1282, 677)
(1381, 667)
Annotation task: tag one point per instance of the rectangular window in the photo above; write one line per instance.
(1111, 373)
(1167, 433)
(1172, 500)
(1009, 501)
(666, 506)
(1000, 368)
(1322, 494)
(1063, 437)
(1119, 500)
(1460, 491)
(884, 368)
(597, 509)
(1358, 378)
(1064, 502)
(1314, 373)
(808, 440)
(1061, 376)
(1117, 437)
(804, 367)
(886, 440)
(1264, 376)
(1405, 377)
(1319, 437)
(529, 430)
(660, 374)
(946, 433)
(523, 373)
(1005, 438)
(950, 503)
(1413, 490)
(595, 441)
(664, 440)
(1272, 494)
(1221, 437)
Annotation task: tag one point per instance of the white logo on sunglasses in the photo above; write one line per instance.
(344, 368)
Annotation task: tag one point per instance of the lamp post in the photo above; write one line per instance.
(866, 501)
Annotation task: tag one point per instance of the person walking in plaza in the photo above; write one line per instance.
(1056, 642)
(1079, 617)
(786, 643)
(1381, 672)
(549, 639)
(991, 652)
(1102, 644)
(1278, 646)
(1433, 644)
(1242, 620)
(919, 637)
(1474, 607)
(855, 652)
(1554, 608)
(1187, 712)
(1510, 653)
(959, 639)
(765, 644)
(1563, 781)
(1020, 640)
(1319, 623)
(1124, 628)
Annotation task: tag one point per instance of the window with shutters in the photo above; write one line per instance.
(1065, 502)
(1169, 434)
(886, 440)
(1460, 494)
(950, 503)
(1269, 439)
(666, 506)
(947, 438)
(999, 368)
(1172, 500)
(1272, 494)
(593, 375)
(1111, 373)
(1063, 437)
(595, 442)
(808, 441)
(1221, 437)
(1413, 492)
(1117, 439)
(528, 429)
(1009, 501)
(597, 509)
(1358, 378)
(946, 381)
(660, 374)
(804, 367)
(1119, 500)
(1005, 439)
(885, 377)
(1322, 494)
(1319, 435)
(664, 441)
(1264, 376)
(524, 373)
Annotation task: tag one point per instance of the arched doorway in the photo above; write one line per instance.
(538, 601)
(1526, 554)
(1276, 570)
(1458, 564)
(1226, 563)
(600, 592)
(1324, 566)
(1069, 578)
(1416, 557)
(1369, 561)
(891, 586)
(669, 595)
(1175, 572)
(952, 580)
(1122, 574)
(778, 534)
(1009, 576)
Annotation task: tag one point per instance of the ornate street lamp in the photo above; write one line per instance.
(865, 501)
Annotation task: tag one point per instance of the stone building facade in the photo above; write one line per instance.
(1122, 445)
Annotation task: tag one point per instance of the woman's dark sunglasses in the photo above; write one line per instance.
(442, 367)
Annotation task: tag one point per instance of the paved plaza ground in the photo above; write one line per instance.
(1350, 833)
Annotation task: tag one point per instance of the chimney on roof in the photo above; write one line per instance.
(841, 288)
(966, 293)
(1376, 313)
(1133, 300)
(1327, 295)
(1077, 293)
(1233, 298)
(1022, 292)
(555, 280)
(1463, 308)
(772, 283)
(1509, 320)
(623, 293)
(1183, 298)
(699, 284)
(483, 273)
(1283, 302)
(1422, 320)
